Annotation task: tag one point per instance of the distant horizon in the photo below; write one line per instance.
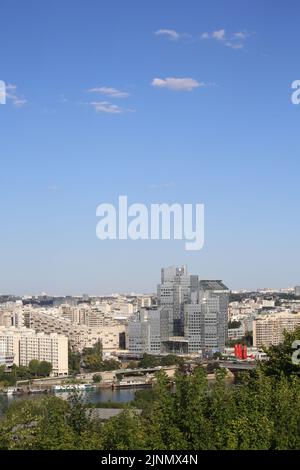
(140, 293)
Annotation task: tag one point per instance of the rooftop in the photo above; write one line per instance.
(212, 285)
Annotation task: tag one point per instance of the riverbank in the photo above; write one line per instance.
(92, 397)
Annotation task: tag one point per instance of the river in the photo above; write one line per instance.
(91, 396)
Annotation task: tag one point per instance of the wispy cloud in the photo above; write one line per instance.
(241, 35)
(109, 91)
(171, 34)
(205, 36)
(109, 108)
(177, 84)
(234, 45)
(12, 95)
(166, 185)
(233, 40)
(219, 35)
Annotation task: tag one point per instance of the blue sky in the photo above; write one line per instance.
(231, 142)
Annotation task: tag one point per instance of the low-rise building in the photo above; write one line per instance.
(80, 336)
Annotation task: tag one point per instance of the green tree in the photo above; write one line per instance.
(21, 372)
(261, 412)
(97, 379)
(54, 432)
(132, 365)
(92, 358)
(171, 360)
(44, 368)
(281, 357)
(34, 367)
(148, 361)
(217, 355)
(77, 416)
(110, 364)
(74, 358)
(97, 349)
(162, 432)
(123, 432)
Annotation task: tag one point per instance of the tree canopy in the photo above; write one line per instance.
(260, 412)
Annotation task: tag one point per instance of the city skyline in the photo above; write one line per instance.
(149, 291)
(164, 104)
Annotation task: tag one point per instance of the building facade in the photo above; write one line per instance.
(191, 316)
(269, 329)
(144, 332)
(24, 344)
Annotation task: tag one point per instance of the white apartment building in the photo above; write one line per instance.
(52, 348)
(10, 341)
(268, 329)
(24, 344)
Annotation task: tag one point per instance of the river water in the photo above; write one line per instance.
(91, 396)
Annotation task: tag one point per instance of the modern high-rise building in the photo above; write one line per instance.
(194, 327)
(297, 291)
(176, 289)
(191, 316)
(214, 299)
(206, 320)
(144, 332)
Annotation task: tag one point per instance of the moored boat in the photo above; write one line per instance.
(72, 387)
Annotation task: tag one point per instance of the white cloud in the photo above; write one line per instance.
(11, 94)
(168, 184)
(106, 107)
(234, 45)
(219, 35)
(241, 35)
(169, 33)
(109, 91)
(233, 40)
(109, 108)
(177, 84)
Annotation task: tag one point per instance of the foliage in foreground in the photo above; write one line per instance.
(261, 413)
(35, 369)
(281, 357)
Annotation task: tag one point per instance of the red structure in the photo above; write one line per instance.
(240, 351)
